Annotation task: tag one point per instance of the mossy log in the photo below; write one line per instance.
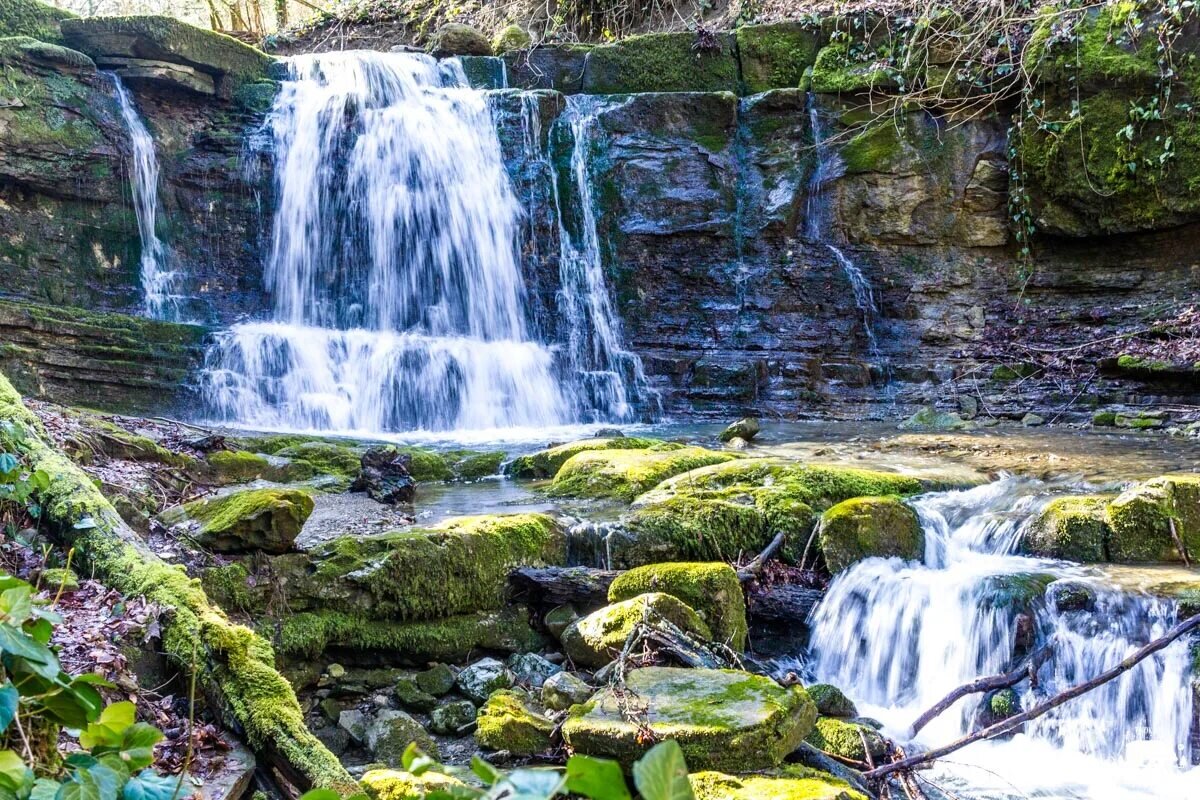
(235, 666)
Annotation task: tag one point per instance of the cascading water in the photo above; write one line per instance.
(898, 636)
(161, 291)
(819, 227)
(399, 301)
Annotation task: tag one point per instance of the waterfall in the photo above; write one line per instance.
(161, 291)
(612, 377)
(897, 636)
(819, 227)
(399, 302)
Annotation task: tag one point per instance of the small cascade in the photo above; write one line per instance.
(897, 636)
(162, 297)
(819, 226)
(612, 377)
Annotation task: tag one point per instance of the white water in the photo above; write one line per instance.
(161, 291)
(399, 302)
(898, 636)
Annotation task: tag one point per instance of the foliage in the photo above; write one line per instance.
(18, 484)
(37, 698)
(661, 774)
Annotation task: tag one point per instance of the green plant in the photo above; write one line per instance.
(661, 774)
(18, 484)
(38, 698)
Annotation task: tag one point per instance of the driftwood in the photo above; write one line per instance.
(990, 683)
(582, 586)
(1017, 720)
(783, 602)
(751, 570)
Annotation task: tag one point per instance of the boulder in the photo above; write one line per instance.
(506, 722)
(745, 429)
(831, 702)
(354, 722)
(485, 676)
(1147, 519)
(930, 419)
(324, 458)
(451, 718)
(30, 18)
(390, 732)
(457, 39)
(866, 527)
(384, 475)
(392, 784)
(723, 719)
(511, 39)
(546, 463)
(563, 690)
(437, 680)
(267, 520)
(599, 637)
(711, 588)
(776, 56)
(839, 70)
(559, 618)
(847, 740)
(530, 669)
(411, 695)
(1070, 528)
(786, 783)
(624, 474)
(662, 62)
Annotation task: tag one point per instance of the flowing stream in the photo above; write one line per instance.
(399, 301)
(898, 636)
(161, 291)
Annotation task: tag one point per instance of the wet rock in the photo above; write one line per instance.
(711, 588)
(865, 527)
(746, 429)
(1151, 521)
(930, 419)
(599, 637)
(456, 39)
(389, 784)
(253, 519)
(737, 443)
(485, 676)
(451, 718)
(564, 690)
(723, 719)
(411, 695)
(831, 702)
(546, 463)
(511, 39)
(785, 783)
(384, 475)
(1032, 420)
(1140, 420)
(507, 722)
(437, 680)
(1071, 528)
(530, 669)
(624, 474)
(968, 407)
(661, 62)
(846, 739)
(354, 722)
(390, 732)
(334, 738)
(1069, 595)
(558, 618)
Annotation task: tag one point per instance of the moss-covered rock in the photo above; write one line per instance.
(846, 739)
(31, 18)
(253, 519)
(661, 62)
(391, 784)
(389, 733)
(1147, 519)
(563, 690)
(546, 463)
(776, 56)
(341, 460)
(1071, 528)
(929, 418)
(451, 718)
(459, 566)
(866, 527)
(831, 702)
(452, 639)
(457, 39)
(718, 512)
(599, 637)
(723, 719)
(52, 579)
(236, 466)
(836, 71)
(787, 783)
(625, 474)
(506, 722)
(745, 429)
(158, 38)
(711, 588)
(511, 39)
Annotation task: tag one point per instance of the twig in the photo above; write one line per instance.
(1183, 553)
(752, 569)
(990, 683)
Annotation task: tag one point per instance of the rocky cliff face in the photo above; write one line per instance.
(703, 176)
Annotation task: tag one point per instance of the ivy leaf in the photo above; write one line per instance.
(597, 778)
(18, 643)
(12, 770)
(44, 789)
(485, 771)
(533, 784)
(109, 730)
(661, 774)
(10, 699)
(17, 604)
(149, 785)
(8, 463)
(82, 786)
(65, 708)
(137, 748)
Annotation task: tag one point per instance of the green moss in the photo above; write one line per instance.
(31, 18)
(237, 667)
(546, 463)
(625, 474)
(1020, 592)
(875, 149)
(52, 579)
(661, 62)
(506, 722)
(229, 587)
(723, 719)
(1071, 528)
(847, 740)
(836, 72)
(257, 97)
(1142, 518)
(325, 458)
(251, 519)
(511, 39)
(237, 466)
(456, 567)
(712, 589)
(867, 527)
(1104, 419)
(451, 639)
(1099, 51)
(599, 637)
(1004, 703)
(1140, 364)
(776, 56)
(786, 783)
(390, 784)
(831, 702)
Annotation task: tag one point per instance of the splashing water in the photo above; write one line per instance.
(161, 290)
(898, 636)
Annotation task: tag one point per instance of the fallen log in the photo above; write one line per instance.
(582, 586)
(811, 756)
(991, 683)
(783, 602)
(1017, 720)
(234, 666)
